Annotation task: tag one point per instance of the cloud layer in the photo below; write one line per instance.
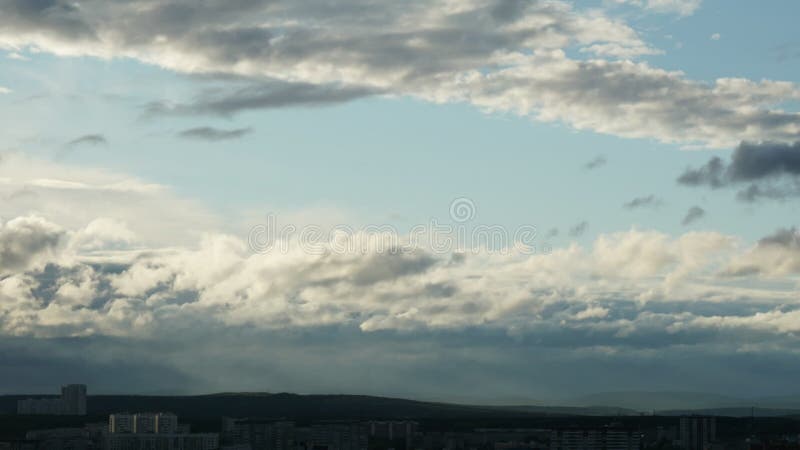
(89, 281)
(499, 55)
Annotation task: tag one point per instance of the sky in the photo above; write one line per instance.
(489, 201)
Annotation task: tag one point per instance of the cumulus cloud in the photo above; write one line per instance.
(5, 90)
(650, 201)
(214, 134)
(26, 240)
(777, 255)
(625, 293)
(772, 169)
(694, 214)
(222, 282)
(494, 54)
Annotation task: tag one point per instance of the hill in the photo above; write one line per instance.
(294, 406)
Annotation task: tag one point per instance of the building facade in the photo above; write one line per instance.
(697, 432)
(595, 439)
(154, 431)
(72, 402)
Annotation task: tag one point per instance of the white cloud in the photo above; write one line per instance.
(5, 90)
(221, 282)
(716, 37)
(498, 55)
(776, 256)
(17, 56)
(682, 7)
(77, 196)
(630, 99)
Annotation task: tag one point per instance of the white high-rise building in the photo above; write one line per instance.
(166, 423)
(148, 431)
(120, 423)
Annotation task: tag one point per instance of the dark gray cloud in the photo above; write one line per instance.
(390, 265)
(509, 10)
(711, 174)
(769, 191)
(426, 364)
(771, 170)
(788, 238)
(694, 214)
(53, 18)
(260, 96)
(214, 134)
(757, 161)
(787, 51)
(440, 290)
(578, 229)
(595, 163)
(88, 139)
(41, 365)
(650, 201)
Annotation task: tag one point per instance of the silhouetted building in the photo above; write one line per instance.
(17, 444)
(393, 432)
(154, 431)
(62, 439)
(157, 441)
(72, 403)
(74, 398)
(258, 434)
(697, 432)
(339, 436)
(143, 423)
(595, 439)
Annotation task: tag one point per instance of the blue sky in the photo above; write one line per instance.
(421, 155)
(132, 221)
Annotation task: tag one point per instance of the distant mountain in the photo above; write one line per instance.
(300, 407)
(734, 412)
(605, 411)
(649, 401)
(785, 401)
(667, 401)
(315, 407)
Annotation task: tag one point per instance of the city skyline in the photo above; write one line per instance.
(292, 422)
(473, 201)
